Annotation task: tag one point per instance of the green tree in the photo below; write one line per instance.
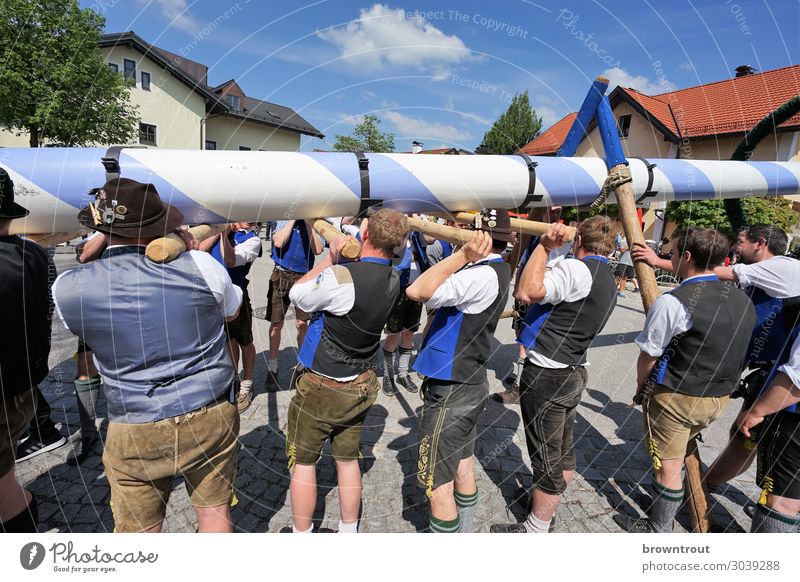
(54, 84)
(513, 129)
(366, 137)
(711, 214)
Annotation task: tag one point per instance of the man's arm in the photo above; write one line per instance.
(314, 239)
(93, 247)
(780, 394)
(726, 274)
(641, 252)
(280, 236)
(207, 245)
(427, 283)
(226, 248)
(530, 288)
(334, 257)
(644, 367)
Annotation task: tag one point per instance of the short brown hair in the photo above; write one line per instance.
(708, 247)
(597, 235)
(387, 229)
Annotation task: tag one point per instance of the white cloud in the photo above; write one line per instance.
(548, 115)
(416, 128)
(177, 11)
(617, 76)
(686, 67)
(382, 37)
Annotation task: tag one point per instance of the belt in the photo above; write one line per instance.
(331, 383)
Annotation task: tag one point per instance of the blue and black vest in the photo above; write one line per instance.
(156, 331)
(457, 346)
(708, 359)
(564, 331)
(418, 247)
(295, 255)
(403, 266)
(238, 274)
(775, 319)
(341, 346)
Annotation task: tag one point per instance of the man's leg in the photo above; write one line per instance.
(275, 329)
(389, 350)
(404, 361)
(348, 475)
(444, 513)
(19, 512)
(466, 494)
(248, 361)
(87, 392)
(214, 519)
(734, 460)
(303, 489)
(43, 435)
(779, 515)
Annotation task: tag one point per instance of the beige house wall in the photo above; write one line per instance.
(230, 133)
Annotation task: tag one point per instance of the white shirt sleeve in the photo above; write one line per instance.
(331, 291)
(792, 367)
(228, 295)
(567, 280)
(247, 252)
(778, 276)
(55, 301)
(667, 318)
(470, 290)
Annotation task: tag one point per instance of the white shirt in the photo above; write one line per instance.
(778, 277)
(470, 290)
(567, 280)
(228, 295)
(332, 291)
(792, 367)
(668, 317)
(247, 252)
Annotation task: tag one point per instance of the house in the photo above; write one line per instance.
(179, 110)
(416, 148)
(705, 122)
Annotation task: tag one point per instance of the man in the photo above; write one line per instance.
(468, 290)
(571, 304)
(774, 421)
(511, 382)
(403, 322)
(772, 281)
(352, 302)
(24, 350)
(294, 246)
(236, 249)
(159, 342)
(624, 272)
(693, 349)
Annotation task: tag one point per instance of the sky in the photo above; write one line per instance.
(441, 72)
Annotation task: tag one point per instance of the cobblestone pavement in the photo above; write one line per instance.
(612, 470)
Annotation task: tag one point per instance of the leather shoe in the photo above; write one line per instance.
(389, 386)
(507, 396)
(407, 383)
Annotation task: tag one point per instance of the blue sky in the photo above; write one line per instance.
(442, 71)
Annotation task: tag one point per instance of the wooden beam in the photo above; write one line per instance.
(168, 248)
(351, 250)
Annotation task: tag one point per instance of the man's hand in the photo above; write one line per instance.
(478, 248)
(644, 253)
(188, 239)
(746, 420)
(336, 248)
(555, 237)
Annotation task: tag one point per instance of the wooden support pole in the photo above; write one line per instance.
(524, 226)
(168, 248)
(450, 234)
(49, 240)
(351, 250)
(696, 490)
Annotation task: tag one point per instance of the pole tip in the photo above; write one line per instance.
(602, 80)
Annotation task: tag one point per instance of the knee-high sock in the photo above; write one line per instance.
(664, 508)
(87, 393)
(443, 526)
(767, 520)
(403, 361)
(466, 510)
(388, 363)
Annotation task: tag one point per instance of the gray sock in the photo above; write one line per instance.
(403, 361)
(87, 393)
(664, 508)
(466, 510)
(518, 368)
(388, 363)
(767, 520)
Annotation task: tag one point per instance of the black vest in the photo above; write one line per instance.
(340, 346)
(458, 344)
(563, 332)
(26, 273)
(708, 359)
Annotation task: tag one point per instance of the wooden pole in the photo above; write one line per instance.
(168, 248)
(522, 243)
(49, 240)
(524, 226)
(615, 160)
(351, 250)
(450, 234)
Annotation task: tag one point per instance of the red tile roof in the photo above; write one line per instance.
(719, 108)
(548, 142)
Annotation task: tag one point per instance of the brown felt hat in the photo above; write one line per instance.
(127, 208)
(496, 222)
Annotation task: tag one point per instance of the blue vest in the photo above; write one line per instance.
(769, 333)
(238, 274)
(156, 331)
(295, 255)
(403, 268)
(419, 249)
(458, 344)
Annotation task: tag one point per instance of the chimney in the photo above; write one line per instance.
(416, 147)
(744, 70)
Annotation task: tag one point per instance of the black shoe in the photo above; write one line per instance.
(407, 383)
(30, 446)
(633, 524)
(389, 387)
(81, 450)
(507, 528)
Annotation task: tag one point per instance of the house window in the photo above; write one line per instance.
(146, 81)
(114, 67)
(211, 145)
(623, 125)
(129, 67)
(233, 101)
(244, 148)
(147, 134)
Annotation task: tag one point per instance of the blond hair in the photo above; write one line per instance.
(387, 230)
(597, 235)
